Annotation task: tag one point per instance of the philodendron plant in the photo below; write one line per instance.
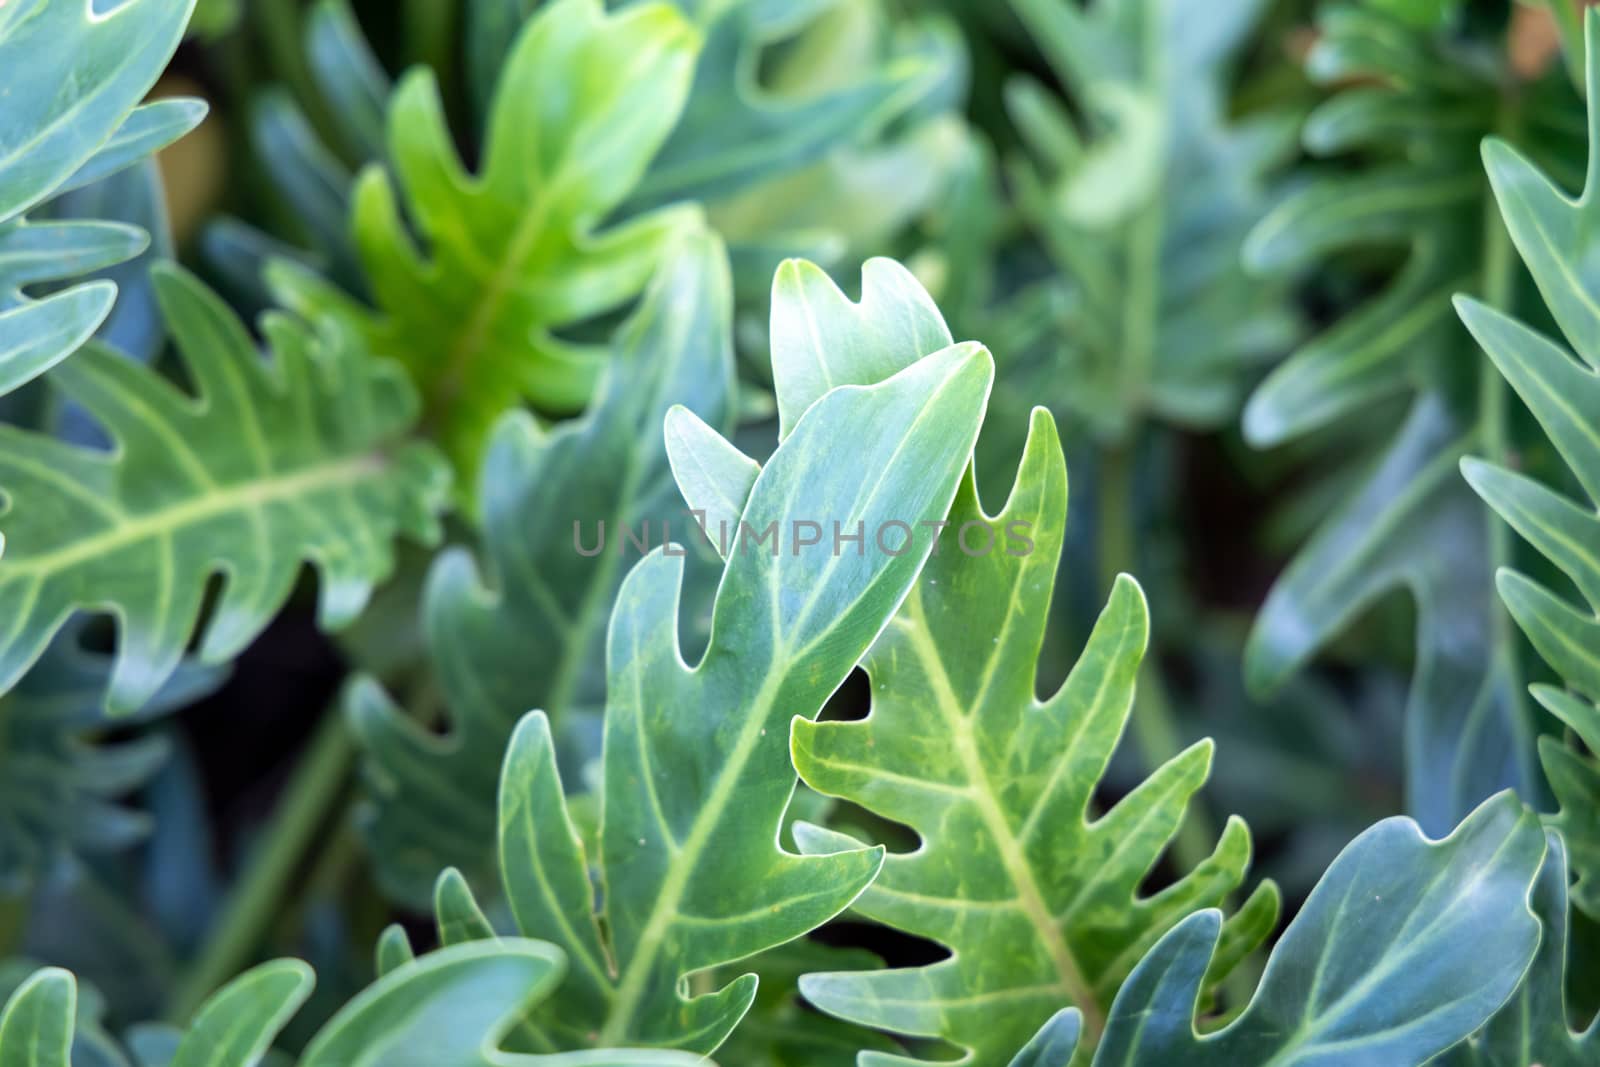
(730, 723)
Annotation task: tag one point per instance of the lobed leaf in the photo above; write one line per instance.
(1141, 188)
(530, 633)
(75, 77)
(696, 768)
(263, 466)
(501, 260)
(1405, 97)
(1403, 949)
(1555, 236)
(60, 788)
(1038, 906)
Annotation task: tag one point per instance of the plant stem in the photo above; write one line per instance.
(1153, 725)
(14, 906)
(310, 795)
(1498, 291)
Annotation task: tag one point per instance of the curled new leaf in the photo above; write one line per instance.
(263, 466)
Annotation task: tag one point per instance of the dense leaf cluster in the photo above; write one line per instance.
(693, 704)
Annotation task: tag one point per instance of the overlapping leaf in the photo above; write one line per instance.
(1556, 238)
(531, 633)
(1413, 101)
(696, 765)
(60, 787)
(1039, 907)
(1404, 948)
(74, 79)
(264, 465)
(1142, 201)
(450, 1007)
(504, 258)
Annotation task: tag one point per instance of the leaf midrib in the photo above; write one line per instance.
(1029, 896)
(248, 498)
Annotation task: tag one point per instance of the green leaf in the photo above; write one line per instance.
(1404, 948)
(36, 1023)
(1038, 905)
(734, 134)
(1055, 1042)
(951, 718)
(266, 464)
(1555, 236)
(1412, 525)
(995, 782)
(237, 1024)
(1532, 1028)
(504, 258)
(1141, 188)
(74, 80)
(781, 1030)
(59, 786)
(531, 632)
(696, 767)
(450, 1008)
(1406, 97)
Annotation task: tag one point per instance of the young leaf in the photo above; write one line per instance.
(263, 466)
(1407, 98)
(1556, 238)
(515, 252)
(1404, 948)
(1532, 1028)
(532, 633)
(59, 790)
(696, 766)
(74, 78)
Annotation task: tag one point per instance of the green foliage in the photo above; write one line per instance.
(517, 251)
(262, 466)
(532, 633)
(1393, 959)
(1141, 195)
(680, 788)
(995, 782)
(656, 812)
(448, 1007)
(1407, 101)
(1555, 235)
(73, 84)
(1533, 1025)
(59, 785)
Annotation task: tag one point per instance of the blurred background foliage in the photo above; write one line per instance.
(1217, 239)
